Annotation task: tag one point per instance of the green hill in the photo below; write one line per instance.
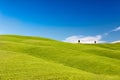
(34, 58)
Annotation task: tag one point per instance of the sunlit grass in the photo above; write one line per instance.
(34, 58)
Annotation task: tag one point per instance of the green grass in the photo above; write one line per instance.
(35, 58)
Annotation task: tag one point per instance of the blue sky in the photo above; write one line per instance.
(66, 20)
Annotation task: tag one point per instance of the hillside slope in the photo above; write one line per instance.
(34, 58)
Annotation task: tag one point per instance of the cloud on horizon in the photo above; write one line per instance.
(91, 39)
(116, 41)
(84, 39)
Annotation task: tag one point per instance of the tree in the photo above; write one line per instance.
(78, 41)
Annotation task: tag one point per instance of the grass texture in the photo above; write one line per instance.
(35, 58)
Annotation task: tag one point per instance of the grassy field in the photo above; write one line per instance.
(34, 58)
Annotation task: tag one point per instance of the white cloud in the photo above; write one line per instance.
(84, 39)
(116, 41)
(117, 29)
(114, 30)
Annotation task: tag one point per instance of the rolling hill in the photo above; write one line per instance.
(35, 58)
